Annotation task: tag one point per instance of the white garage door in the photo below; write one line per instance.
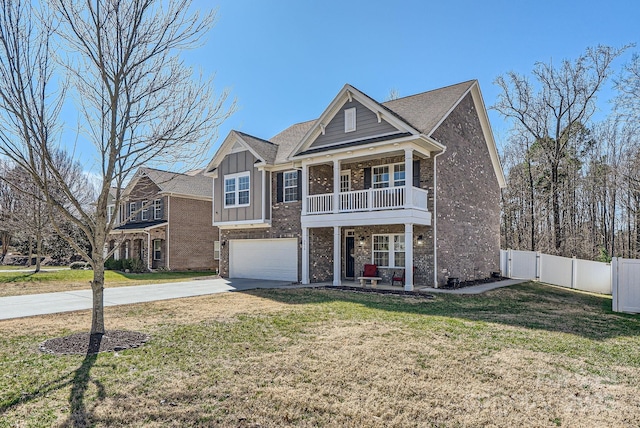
(264, 259)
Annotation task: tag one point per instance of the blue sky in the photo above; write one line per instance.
(286, 60)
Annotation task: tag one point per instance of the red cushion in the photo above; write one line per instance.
(370, 270)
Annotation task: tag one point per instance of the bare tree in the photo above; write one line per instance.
(554, 111)
(7, 212)
(628, 86)
(138, 101)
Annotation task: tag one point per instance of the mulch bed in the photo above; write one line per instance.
(86, 344)
(380, 291)
(464, 284)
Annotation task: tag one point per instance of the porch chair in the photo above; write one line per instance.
(396, 277)
(370, 271)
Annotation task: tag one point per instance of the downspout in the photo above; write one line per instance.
(435, 220)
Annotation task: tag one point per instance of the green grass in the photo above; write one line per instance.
(19, 283)
(87, 275)
(528, 355)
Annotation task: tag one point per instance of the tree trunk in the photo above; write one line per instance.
(38, 249)
(30, 251)
(555, 207)
(97, 286)
(531, 202)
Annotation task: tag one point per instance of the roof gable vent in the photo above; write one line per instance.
(350, 119)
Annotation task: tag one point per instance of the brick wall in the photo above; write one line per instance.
(422, 254)
(321, 254)
(191, 235)
(468, 222)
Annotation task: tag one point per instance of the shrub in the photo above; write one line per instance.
(112, 264)
(137, 266)
(78, 265)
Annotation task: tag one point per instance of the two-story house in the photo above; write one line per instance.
(410, 185)
(165, 220)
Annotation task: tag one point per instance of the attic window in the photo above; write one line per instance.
(350, 119)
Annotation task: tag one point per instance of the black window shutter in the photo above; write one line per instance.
(367, 178)
(416, 173)
(299, 198)
(279, 187)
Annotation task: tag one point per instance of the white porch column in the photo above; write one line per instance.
(336, 256)
(408, 256)
(305, 255)
(408, 178)
(336, 186)
(304, 176)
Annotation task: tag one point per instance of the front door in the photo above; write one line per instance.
(349, 257)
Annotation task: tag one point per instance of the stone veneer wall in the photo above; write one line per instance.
(468, 222)
(422, 254)
(321, 254)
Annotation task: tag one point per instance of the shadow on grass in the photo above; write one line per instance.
(16, 277)
(78, 379)
(79, 416)
(529, 305)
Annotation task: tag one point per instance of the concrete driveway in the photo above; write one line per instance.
(66, 301)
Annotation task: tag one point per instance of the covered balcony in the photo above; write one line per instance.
(384, 189)
(389, 198)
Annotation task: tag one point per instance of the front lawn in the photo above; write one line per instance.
(19, 283)
(527, 355)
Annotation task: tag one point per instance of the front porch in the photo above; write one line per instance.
(338, 254)
(147, 244)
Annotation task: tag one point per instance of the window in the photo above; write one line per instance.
(216, 250)
(290, 186)
(157, 249)
(388, 175)
(157, 209)
(388, 250)
(236, 190)
(345, 181)
(398, 174)
(132, 210)
(110, 210)
(380, 177)
(350, 119)
(145, 210)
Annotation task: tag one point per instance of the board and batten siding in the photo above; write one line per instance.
(367, 126)
(232, 164)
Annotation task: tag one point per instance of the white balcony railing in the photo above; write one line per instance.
(387, 198)
(320, 204)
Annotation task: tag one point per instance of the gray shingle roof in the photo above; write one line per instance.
(422, 111)
(288, 139)
(425, 110)
(265, 149)
(182, 184)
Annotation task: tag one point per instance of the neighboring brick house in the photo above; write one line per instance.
(165, 220)
(409, 184)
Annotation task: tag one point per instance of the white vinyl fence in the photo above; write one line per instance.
(621, 277)
(626, 285)
(567, 272)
